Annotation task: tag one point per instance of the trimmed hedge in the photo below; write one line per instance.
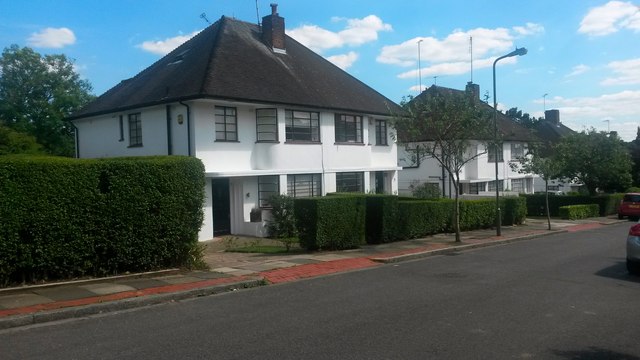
(62, 218)
(381, 220)
(575, 212)
(330, 223)
(607, 204)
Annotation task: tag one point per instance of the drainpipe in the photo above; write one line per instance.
(188, 126)
(76, 136)
(169, 143)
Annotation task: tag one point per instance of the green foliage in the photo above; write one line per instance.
(37, 93)
(514, 210)
(426, 191)
(423, 217)
(521, 118)
(13, 142)
(608, 203)
(575, 212)
(62, 218)
(282, 223)
(599, 160)
(330, 223)
(381, 218)
(633, 189)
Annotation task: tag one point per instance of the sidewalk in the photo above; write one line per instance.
(230, 271)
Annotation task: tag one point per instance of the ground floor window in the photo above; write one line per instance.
(350, 182)
(492, 185)
(475, 188)
(517, 185)
(267, 187)
(304, 185)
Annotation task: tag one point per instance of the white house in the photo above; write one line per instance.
(478, 176)
(265, 115)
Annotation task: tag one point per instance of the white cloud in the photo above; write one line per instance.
(344, 61)
(356, 32)
(585, 112)
(627, 71)
(454, 68)
(610, 18)
(452, 51)
(163, 47)
(577, 70)
(55, 38)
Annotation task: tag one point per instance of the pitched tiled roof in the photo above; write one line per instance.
(552, 132)
(228, 60)
(508, 129)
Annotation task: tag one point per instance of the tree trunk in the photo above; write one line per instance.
(456, 214)
(546, 203)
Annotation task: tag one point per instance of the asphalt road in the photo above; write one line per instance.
(566, 296)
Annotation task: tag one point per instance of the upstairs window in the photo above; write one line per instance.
(267, 125)
(348, 128)
(350, 182)
(492, 153)
(517, 150)
(381, 132)
(303, 126)
(226, 123)
(135, 130)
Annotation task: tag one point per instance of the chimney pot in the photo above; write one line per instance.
(274, 9)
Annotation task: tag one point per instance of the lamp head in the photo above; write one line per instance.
(518, 51)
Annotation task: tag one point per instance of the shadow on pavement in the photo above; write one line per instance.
(594, 353)
(618, 271)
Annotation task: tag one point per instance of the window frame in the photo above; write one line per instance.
(290, 127)
(359, 181)
(316, 179)
(349, 135)
(493, 152)
(135, 129)
(274, 118)
(263, 195)
(225, 123)
(519, 148)
(381, 137)
(491, 185)
(522, 185)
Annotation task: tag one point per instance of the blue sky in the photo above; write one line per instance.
(583, 54)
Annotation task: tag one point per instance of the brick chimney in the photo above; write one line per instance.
(552, 116)
(474, 90)
(273, 30)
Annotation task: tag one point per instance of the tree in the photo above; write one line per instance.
(521, 118)
(634, 150)
(599, 160)
(37, 93)
(443, 125)
(548, 167)
(13, 142)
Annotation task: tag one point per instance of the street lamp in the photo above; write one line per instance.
(517, 52)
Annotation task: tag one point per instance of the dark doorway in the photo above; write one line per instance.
(379, 182)
(221, 207)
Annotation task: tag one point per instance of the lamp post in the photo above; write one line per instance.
(419, 69)
(516, 52)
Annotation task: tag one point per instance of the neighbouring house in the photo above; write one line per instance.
(265, 114)
(478, 176)
(550, 131)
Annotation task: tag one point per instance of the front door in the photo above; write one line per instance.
(221, 207)
(379, 182)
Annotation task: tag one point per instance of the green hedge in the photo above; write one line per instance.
(575, 212)
(514, 210)
(61, 218)
(381, 220)
(330, 223)
(607, 204)
(423, 217)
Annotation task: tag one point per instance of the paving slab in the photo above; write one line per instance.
(22, 300)
(178, 279)
(302, 261)
(269, 266)
(208, 274)
(63, 293)
(107, 288)
(141, 284)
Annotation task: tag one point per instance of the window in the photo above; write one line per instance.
(517, 185)
(226, 124)
(492, 185)
(267, 125)
(350, 182)
(517, 150)
(348, 128)
(304, 185)
(267, 187)
(475, 188)
(302, 126)
(121, 124)
(381, 132)
(492, 153)
(411, 158)
(135, 130)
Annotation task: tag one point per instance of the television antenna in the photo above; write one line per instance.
(203, 16)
